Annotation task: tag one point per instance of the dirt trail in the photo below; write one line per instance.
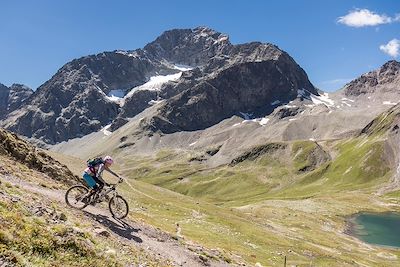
(127, 231)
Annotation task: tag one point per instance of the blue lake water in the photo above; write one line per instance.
(377, 228)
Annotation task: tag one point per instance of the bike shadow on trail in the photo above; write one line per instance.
(121, 228)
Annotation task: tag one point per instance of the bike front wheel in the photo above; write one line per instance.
(118, 207)
(77, 196)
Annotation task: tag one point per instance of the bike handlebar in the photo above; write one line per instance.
(119, 182)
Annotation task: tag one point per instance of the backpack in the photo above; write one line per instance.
(91, 163)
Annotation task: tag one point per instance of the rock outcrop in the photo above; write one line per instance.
(13, 146)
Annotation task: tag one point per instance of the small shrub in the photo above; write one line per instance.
(5, 237)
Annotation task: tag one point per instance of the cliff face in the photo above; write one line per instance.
(246, 87)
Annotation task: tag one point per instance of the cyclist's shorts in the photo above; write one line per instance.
(89, 180)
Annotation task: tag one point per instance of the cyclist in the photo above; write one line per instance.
(93, 173)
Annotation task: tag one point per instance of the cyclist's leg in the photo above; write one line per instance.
(98, 187)
(99, 184)
(90, 181)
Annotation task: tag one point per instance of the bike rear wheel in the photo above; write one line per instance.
(77, 197)
(118, 207)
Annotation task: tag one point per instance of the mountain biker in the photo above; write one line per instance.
(93, 173)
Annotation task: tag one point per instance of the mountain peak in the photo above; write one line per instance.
(204, 31)
(17, 86)
(391, 65)
(188, 46)
(387, 77)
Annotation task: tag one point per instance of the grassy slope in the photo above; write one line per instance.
(359, 164)
(258, 211)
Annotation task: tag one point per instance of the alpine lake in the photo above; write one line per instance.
(376, 228)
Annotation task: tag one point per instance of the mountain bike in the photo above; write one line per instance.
(79, 197)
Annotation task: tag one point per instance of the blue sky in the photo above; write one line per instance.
(39, 37)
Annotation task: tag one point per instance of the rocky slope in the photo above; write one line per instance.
(12, 97)
(73, 102)
(383, 80)
(18, 149)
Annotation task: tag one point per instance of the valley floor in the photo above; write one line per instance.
(309, 231)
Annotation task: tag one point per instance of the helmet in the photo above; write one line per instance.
(108, 159)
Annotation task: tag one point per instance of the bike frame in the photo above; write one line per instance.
(111, 189)
(107, 191)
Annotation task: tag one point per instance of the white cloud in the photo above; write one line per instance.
(392, 48)
(363, 17)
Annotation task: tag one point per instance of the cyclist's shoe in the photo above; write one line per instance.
(93, 203)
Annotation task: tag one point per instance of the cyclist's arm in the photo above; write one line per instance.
(110, 171)
(100, 172)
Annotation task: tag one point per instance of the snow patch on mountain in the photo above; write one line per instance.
(346, 99)
(389, 103)
(322, 99)
(126, 53)
(153, 102)
(192, 144)
(221, 39)
(182, 67)
(105, 130)
(155, 83)
(345, 103)
(261, 121)
(248, 117)
(317, 100)
(116, 96)
(291, 106)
